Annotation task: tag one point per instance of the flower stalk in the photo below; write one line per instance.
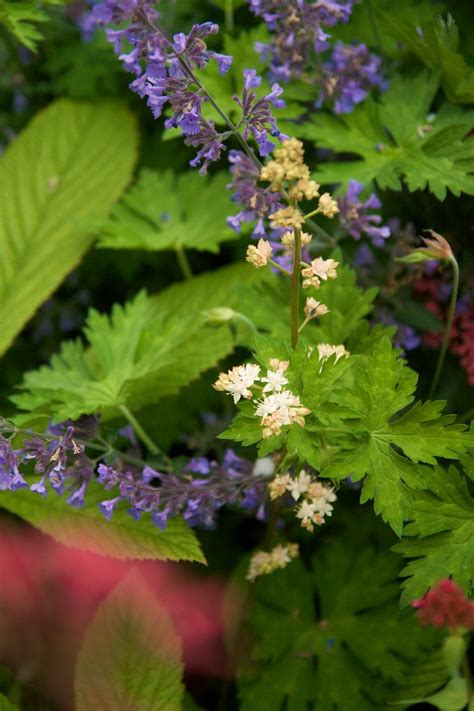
(449, 325)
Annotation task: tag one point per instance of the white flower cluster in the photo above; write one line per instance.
(278, 407)
(263, 563)
(316, 497)
(326, 350)
(259, 255)
(319, 269)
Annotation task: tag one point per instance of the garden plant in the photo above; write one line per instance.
(237, 355)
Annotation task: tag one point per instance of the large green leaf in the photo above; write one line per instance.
(168, 211)
(131, 657)
(440, 538)
(73, 160)
(399, 139)
(86, 528)
(146, 350)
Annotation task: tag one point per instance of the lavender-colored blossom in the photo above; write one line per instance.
(349, 74)
(355, 218)
(257, 202)
(165, 77)
(297, 28)
(10, 460)
(196, 498)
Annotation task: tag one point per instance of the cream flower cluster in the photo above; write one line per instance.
(319, 270)
(263, 563)
(316, 498)
(289, 173)
(326, 350)
(278, 406)
(259, 255)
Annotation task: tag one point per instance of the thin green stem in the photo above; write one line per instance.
(374, 25)
(449, 325)
(305, 323)
(280, 268)
(229, 15)
(295, 289)
(183, 263)
(139, 431)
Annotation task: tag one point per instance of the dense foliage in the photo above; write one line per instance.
(237, 340)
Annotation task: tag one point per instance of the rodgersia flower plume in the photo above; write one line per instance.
(314, 499)
(165, 76)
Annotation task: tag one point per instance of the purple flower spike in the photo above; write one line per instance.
(355, 218)
(350, 73)
(297, 29)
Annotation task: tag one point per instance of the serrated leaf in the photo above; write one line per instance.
(359, 634)
(398, 139)
(435, 44)
(168, 211)
(131, 656)
(440, 537)
(382, 386)
(20, 18)
(72, 160)
(144, 351)
(86, 528)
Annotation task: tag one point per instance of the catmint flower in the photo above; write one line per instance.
(238, 381)
(446, 606)
(257, 113)
(297, 32)
(355, 217)
(10, 460)
(257, 202)
(263, 562)
(259, 256)
(349, 74)
(196, 498)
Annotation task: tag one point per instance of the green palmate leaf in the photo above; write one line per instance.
(145, 350)
(398, 139)
(381, 386)
(82, 157)
(165, 211)
(21, 18)
(440, 537)
(435, 43)
(359, 636)
(86, 528)
(131, 656)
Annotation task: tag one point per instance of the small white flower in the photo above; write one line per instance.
(238, 381)
(259, 255)
(326, 350)
(263, 467)
(313, 308)
(263, 563)
(275, 380)
(277, 487)
(299, 485)
(288, 239)
(327, 205)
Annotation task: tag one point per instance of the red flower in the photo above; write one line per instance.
(447, 606)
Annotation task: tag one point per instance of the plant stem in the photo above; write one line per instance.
(466, 669)
(295, 289)
(449, 325)
(282, 269)
(139, 431)
(183, 263)
(229, 15)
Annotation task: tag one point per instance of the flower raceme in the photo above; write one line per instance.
(278, 407)
(165, 75)
(263, 562)
(446, 606)
(316, 498)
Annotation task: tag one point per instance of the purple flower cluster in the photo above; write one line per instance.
(297, 27)
(196, 498)
(257, 202)
(196, 493)
(349, 74)
(165, 72)
(355, 217)
(58, 459)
